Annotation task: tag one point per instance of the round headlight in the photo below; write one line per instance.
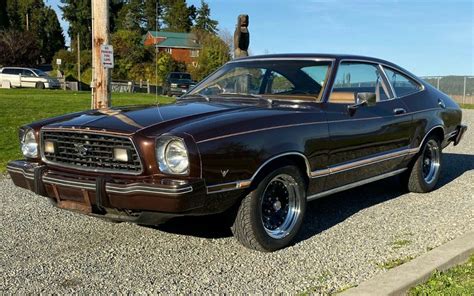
(29, 146)
(173, 156)
(176, 157)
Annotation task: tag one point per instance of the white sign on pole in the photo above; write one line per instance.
(107, 56)
(58, 61)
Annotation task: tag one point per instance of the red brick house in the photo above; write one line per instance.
(183, 47)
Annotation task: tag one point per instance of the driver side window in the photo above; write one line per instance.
(356, 77)
(278, 84)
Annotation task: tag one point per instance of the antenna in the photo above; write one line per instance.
(156, 62)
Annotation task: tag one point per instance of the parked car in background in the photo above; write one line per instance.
(256, 140)
(27, 77)
(177, 84)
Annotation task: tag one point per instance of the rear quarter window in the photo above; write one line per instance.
(402, 84)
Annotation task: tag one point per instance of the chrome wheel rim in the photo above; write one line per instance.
(280, 206)
(431, 161)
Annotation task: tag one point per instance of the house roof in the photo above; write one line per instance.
(175, 39)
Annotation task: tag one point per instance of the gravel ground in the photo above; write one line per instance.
(346, 239)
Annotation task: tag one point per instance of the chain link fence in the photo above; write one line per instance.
(460, 88)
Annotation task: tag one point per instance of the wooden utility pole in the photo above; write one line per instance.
(78, 62)
(100, 36)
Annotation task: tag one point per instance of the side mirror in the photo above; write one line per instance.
(368, 97)
(362, 99)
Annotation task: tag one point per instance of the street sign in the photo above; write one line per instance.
(107, 56)
(58, 61)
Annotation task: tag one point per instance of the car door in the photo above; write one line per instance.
(367, 140)
(28, 78)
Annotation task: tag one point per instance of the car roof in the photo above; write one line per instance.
(315, 56)
(337, 57)
(23, 68)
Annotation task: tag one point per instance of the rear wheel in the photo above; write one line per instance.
(425, 172)
(270, 216)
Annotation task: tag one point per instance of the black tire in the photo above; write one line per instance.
(423, 175)
(248, 227)
(39, 85)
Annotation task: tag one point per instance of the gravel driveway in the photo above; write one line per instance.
(346, 238)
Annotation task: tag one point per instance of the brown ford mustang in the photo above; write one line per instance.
(255, 140)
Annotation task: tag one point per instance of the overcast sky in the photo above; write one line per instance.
(425, 37)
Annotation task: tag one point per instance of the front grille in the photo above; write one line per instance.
(90, 151)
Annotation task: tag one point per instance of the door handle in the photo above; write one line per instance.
(398, 111)
(441, 103)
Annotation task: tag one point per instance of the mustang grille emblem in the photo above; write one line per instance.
(81, 149)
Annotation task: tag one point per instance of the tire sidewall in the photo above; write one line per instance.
(419, 167)
(261, 235)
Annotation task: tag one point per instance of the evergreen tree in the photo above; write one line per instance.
(178, 16)
(78, 14)
(4, 23)
(152, 12)
(204, 21)
(13, 13)
(131, 16)
(51, 35)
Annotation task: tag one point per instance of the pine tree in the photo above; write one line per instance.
(4, 23)
(179, 17)
(51, 35)
(152, 13)
(131, 16)
(204, 21)
(78, 15)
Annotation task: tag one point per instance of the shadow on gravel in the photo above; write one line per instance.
(326, 212)
(454, 165)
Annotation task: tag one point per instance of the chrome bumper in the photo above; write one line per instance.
(460, 131)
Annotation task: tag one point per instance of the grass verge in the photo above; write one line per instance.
(458, 280)
(22, 106)
(467, 106)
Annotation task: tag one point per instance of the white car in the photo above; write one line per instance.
(27, 77)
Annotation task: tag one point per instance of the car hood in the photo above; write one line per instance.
(131, 119)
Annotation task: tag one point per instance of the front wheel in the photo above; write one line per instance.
(270, 216)
(39, 85)
(424, 174)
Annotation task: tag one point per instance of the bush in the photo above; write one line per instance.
(18, 48)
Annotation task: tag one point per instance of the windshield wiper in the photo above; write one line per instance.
(197, 95)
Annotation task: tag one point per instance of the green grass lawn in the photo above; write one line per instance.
(467, 106)
(22, 106)
(458, 280)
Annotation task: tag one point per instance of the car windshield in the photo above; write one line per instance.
(280, 79)
(177, 76)
(40, 73)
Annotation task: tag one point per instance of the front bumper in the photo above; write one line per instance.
(52, 85)
(178, 91)
(141, 200)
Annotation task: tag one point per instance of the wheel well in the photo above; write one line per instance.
(438, 132)
(291, 159)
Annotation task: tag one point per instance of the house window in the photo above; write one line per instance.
(169, 50)
(194, 53)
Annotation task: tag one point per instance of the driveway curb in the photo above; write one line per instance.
(398, 280)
